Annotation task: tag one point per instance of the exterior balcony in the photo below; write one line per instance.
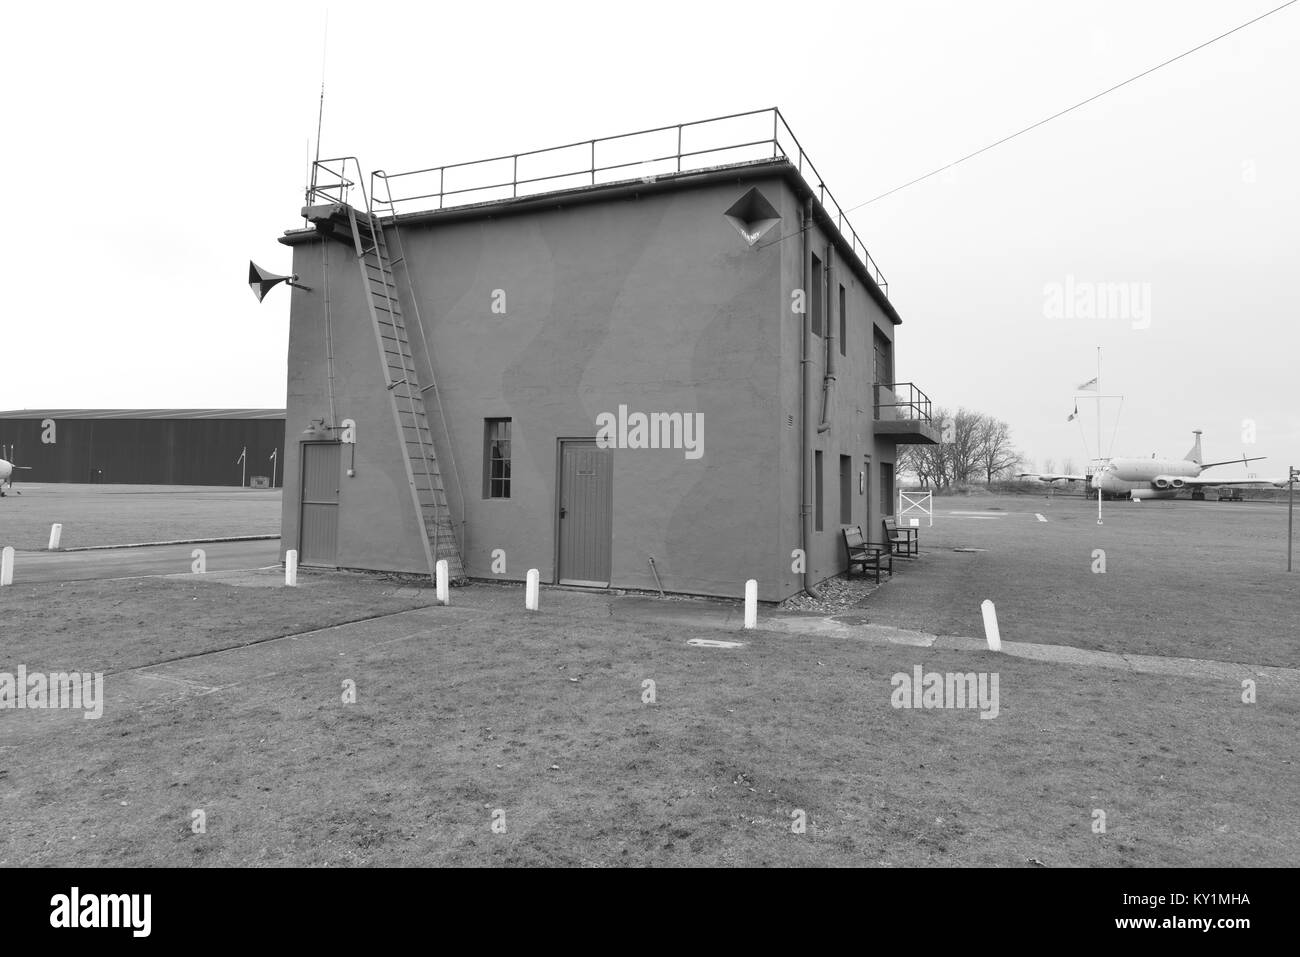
(902, 413)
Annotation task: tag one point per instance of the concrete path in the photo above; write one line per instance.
(148, 560)
(729, 616)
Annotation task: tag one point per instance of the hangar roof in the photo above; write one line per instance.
(143, 414)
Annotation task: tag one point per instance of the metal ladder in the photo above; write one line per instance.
(422, 473)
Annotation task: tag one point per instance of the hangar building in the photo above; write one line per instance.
(144, 446)
(668, 345)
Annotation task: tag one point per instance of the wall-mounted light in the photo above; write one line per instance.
(317, 430)
(753, 216)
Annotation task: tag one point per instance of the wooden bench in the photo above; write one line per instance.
(902, 541)
(867, 554)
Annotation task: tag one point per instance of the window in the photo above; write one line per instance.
(817, 489)
(496, 458)
(866, 488)
(846, 488)
(886, 488)
(844, 349)
(815, 296)
(884, 357)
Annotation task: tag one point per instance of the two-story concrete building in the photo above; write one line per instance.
(686, 356)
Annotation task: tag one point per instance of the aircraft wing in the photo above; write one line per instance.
(1052, 476)
(1209, 482)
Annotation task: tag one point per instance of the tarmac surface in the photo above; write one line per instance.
(727, 616)
(142, 561)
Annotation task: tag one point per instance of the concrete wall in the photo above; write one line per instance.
(653, 302)
(852, 407)
(377, 522)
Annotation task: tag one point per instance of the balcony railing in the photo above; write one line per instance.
(901, 400)
(737, 139)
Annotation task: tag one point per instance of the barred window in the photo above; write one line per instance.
(496, 458)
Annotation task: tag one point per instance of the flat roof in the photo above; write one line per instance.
(143, 414)
(604, 192)
(740, 146)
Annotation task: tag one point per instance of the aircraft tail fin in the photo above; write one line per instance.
(1195, 454)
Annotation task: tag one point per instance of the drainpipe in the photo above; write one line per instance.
(809, 397)
(828, 380)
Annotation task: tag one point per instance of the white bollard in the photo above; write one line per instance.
(7, 566)
(291, 567)
(532, 590)
(991, 625)
(444, 588)
(751, 603)
(56, 533)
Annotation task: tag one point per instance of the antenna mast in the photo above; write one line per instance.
(320, 115)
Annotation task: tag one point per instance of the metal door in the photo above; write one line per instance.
(318, 531)
(586, 514)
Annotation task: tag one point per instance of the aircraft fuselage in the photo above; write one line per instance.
(1121, 477)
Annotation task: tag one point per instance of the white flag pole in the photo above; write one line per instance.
(1096, 477)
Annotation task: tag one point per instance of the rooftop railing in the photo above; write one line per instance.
(737, 139)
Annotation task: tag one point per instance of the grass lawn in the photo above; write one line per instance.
(476, 708)
(1190, 579)
(113, 626)
(127, 514)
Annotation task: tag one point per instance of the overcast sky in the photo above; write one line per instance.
(151, 150)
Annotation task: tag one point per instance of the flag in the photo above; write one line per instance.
(1088, 385)
(1070, 417)
(241, 455)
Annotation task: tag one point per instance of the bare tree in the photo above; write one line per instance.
(973, 443)
(905, 461)
(993, 449)
(963, 459)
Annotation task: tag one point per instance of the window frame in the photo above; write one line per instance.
(846, 490)
(844, 328)
(817, 295)
(491, 441)
(818, 496)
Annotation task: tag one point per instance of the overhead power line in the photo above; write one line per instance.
(1068, 109)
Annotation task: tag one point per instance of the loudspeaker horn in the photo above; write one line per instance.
(262, 282)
